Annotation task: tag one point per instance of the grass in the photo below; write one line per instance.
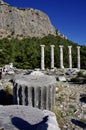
(72, 107)
(80, 74)
(72, 96)
(59, 117)
(60, 99)
(8, 90)
(59, 86)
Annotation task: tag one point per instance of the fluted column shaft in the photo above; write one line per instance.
(52, 56)
(42, 57)
(70, 56)
(78, 57)
(61, 57)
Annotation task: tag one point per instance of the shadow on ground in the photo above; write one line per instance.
(83, 98)
(21, 124)
(5, 98)
(79, 123)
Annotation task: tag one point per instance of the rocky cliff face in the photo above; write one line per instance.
(18, 22)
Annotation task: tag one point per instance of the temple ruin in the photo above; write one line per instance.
(61, 57)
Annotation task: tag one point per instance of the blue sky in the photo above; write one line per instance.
(68, 16)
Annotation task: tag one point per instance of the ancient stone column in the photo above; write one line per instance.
(61, 56)
(78, 57)
(52, 56)
(70, 56)
(42, 57)
(35, 89)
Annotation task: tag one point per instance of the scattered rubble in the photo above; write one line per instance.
(70, 97)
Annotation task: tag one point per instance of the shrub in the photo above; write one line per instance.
(8, 90)
(80, 74)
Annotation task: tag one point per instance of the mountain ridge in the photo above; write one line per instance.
(23, 22)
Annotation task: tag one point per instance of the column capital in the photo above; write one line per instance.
(60, 46)
(42, 45)
(52, 45)
(69, 46)
(78, 47)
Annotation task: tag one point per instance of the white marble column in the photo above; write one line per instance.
(78, 57)
(70, 56)
(52, 56)
(42, 57)
(61, 56)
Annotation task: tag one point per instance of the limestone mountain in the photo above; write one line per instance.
(20, 22)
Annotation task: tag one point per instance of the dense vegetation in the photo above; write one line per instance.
(25, 53)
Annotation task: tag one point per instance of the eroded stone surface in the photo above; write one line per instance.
(26, 118)
(35, 79)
